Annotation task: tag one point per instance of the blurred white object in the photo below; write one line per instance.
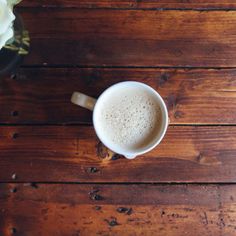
(6, 20)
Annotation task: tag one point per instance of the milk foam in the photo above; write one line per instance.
(131, 118)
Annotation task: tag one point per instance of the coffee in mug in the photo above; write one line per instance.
(130, 118)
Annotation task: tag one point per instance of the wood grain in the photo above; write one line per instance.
(54, 209)
(73, 154)
(131, 38)
(130, 4)
(43, 95)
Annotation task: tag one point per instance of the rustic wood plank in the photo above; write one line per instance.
(121, 209)
(73, 153)
(131, 38)
(43, 95)
(130, 4)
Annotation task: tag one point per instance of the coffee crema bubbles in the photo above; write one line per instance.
(130, 119)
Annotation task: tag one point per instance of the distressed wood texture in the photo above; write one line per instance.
(72, 153)
(46, 210)
(166, 4)
(43, 95)
(67, 36)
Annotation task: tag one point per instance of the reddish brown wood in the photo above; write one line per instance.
(131, 38)
(63, 35)
(72, 153)
(166, 4)
(122, 210)
(43, 95)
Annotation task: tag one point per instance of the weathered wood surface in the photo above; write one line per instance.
(68, 36)
(63, 34)
(130, 4)
(52, 209)
(43, 95)
(73, 154)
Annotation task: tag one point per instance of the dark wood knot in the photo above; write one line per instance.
(164, 78)
(103, 152)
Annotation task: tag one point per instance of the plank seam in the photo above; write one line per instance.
(131, 8)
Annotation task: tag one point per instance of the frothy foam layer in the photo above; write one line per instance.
(130, 119)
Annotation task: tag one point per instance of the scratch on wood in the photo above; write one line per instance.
(221, 222)
(205, 218)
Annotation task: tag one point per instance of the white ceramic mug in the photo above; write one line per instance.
(95, 105)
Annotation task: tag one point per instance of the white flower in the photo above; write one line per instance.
(6, 21)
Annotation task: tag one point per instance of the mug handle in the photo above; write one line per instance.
(83, 100)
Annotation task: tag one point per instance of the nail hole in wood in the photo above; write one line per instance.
(13, 230)
(113, 222)
(15, 113)
(92, 170)
(13, 76)
(13, 190)
(128, 211)
(122, 209)
(98, 208)
(15, 135)
(96, 197)
(14, 176)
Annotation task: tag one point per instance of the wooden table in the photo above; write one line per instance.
(57, 179)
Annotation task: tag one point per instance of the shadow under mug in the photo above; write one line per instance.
(94, 105)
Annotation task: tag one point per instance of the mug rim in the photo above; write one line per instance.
(131, 155)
